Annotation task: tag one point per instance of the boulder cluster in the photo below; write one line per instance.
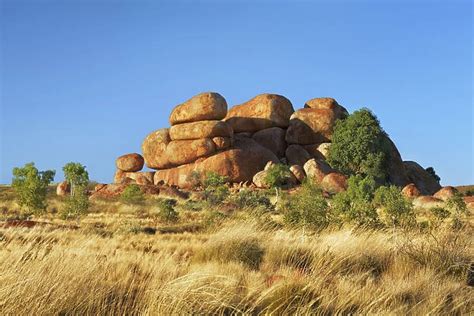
(241, 143)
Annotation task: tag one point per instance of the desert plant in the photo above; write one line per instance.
(30, 186)
(76, 175)
(77, 204)
(277, 175)
(195, 179)
(215, 189)
(132, 194)
(307, 208)
(166, 211)
(397, 208)
(458, 209)
(252, 199)
(360, 146)
(355, 204)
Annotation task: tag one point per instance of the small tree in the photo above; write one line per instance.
(77, 204)
(360, 146)
(31, 187)
(277, 175)
(78, 178)
(215, 190)
(166, 212)
(395, 205)
(132, 194)
(76, 175)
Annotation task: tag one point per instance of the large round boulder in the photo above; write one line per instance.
(263, 111)
(310, 126)
(411, 191)
(446, 193)
(130, 162)
(298, 172)
(154, 149)
(260, 180)
(327, 103)
(202, 107)
(182, 152)
(296, 155)
(316, 169)
(272, 138)
(397, 174)
(202, 129)
(238, 164)
(423, 180)
(334, 182)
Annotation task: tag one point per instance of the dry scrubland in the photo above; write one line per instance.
(120, 259)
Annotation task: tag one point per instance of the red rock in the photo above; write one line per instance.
(130, 162)
(317, 169)
(329, 104)
(63, 189)
(154, 149)
(202, 107)
(297, 155)
(298, 172)
(446, 193)
(263, 111)
(411, 191)
(201, 129)
(222, 143)
(182, 152)
(259, 179)
(334, 183)
(272, 138)
(421, 178)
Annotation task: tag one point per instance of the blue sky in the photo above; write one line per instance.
(88, 80)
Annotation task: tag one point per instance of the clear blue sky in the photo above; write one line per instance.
(88, 80)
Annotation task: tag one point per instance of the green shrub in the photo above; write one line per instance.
(132, 194)
(252, 199)
(77, 204)
(458, 209)
(30, 186)
(307, 208)
(360, 146)
(76, 175)
(195, 179)
(355, 204)
(397, 208)
(166, 211)
(277, 175)
(215, 189)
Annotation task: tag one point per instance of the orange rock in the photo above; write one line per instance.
(317, 169)
(446, 193)
(261, 112)
(310, 126)
(327, 103)
(154, 149)
(259, 179)
(272, 138)
(182, 152)
(141, 178)
(298, 172)
(314, 152)
(202, 129)
(334, 183)
(411, 191)
(222, 143)
(421, 178)
(130, 162)
(296, 155)
(427, 202)
(63, 189)
(202, 107)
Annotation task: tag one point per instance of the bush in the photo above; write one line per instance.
(76, 175)
(132, 194)
(195, 179)
(77, 204)
(360, 146)
(30, 186)
(458, 209)
(215, 190)
(397, 208)
(252, 199)
(307, 208)
(277, 175)
(355, 204)
(166, 211)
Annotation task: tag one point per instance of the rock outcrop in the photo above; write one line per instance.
(446, 193)
(411, 191)
(423, 180)
(202, 107)
(130, 162)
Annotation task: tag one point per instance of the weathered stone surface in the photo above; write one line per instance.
(202, 129)
(329, 104)
(114, 190)
(263, 111)
(202, 107)
(323, 148)
(222, 143)
(63, 189)
(269, 165)
(99, 186)
(421, 178)
(446, 193)
(334, 183)
(314, 152)
(298, 172)
(411, 191)
(119, 176)
(238, 164)
(272, 138)
(297, 155)
(154, 149)
(259, 179)
(141, 178)
(317, 169)
(397, 174)
(310, 126)
(130, 162)
(427, 202)
(182, 152)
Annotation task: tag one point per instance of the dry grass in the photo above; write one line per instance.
(122, 261)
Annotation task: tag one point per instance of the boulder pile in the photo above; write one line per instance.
(204, 136)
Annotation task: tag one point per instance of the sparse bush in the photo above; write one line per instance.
(30, 186)
(195, 179)
(360, 146)
(215, 190)
(440, 214)
(458, 210)
(397, 208)
(76, 175)
(307, 208)
(77, 204)
(355, 204)
(252, 199)
(166, 211)
(132, 194)
(277, 175)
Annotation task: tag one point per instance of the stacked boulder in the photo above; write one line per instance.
(128, 170)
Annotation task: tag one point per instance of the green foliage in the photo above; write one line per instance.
(440, 214)
(31, 186)
(132, 194)
(397, 208)
(360, 146)
(166, 211)
(277, 175)
(77, 204)
(215, 190)
(195, 179)
(355, 204)
(469, 192)
(432, 172)
(458, 209)
(252, 199)
(307, 208)
(76, 175)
